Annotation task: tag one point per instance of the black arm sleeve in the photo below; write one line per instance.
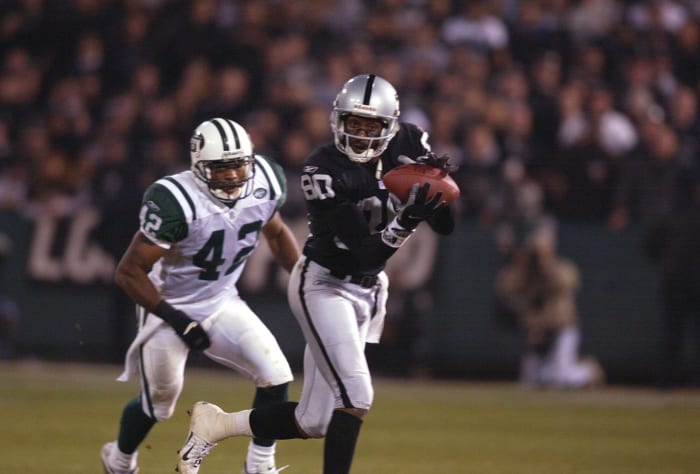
(443, 221)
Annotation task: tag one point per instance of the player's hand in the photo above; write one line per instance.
(418, 207)
(189, 330)
(194, 336)
(431, 159)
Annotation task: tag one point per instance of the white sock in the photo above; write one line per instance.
(122, 460)
(258, 454)
(237, 423)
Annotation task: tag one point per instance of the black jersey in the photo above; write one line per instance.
(348, 205)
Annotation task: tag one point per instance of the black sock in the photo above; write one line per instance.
(265, 397)
(134, 426)
(275, 421)
(341, 439)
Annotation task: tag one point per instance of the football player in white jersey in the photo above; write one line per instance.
(196, 230)
(338, 289)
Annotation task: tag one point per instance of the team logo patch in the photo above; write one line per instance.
(365, 108)
(310, 169)
(260, 193)
(196, 142)
(152, 206)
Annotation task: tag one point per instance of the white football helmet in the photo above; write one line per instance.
(220, 145)
(368, 96)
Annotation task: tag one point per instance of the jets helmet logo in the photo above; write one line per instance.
(196, 143)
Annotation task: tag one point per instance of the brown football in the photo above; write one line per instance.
(400, 179)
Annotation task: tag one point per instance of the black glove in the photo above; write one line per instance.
(418, 207)
(431, 159)
(187, 328)
(443, 221)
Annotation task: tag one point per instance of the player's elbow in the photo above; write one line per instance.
(125, 274)
(119, 276)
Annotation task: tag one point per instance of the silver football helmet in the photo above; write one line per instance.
(222, 159)
(367, 96)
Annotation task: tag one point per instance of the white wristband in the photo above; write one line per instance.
(395, 235)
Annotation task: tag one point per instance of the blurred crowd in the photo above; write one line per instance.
(553, 109)
(581, 109)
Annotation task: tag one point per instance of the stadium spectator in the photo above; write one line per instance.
(673, 245)
(465, 55)
(9, 310)
(540, 288)
(647, 182)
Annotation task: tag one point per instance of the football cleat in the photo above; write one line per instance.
(105, 454)
(267, 467)
(200, 440)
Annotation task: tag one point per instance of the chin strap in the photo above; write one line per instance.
(380, 168)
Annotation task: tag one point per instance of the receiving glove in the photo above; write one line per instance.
(189, 330)
(417, 209)
(430, 159)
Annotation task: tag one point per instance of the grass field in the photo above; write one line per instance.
(55, 417)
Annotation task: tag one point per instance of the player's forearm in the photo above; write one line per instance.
(284, 248)
(372, 252)
(368, 250)
(282, 243)
(136, 284)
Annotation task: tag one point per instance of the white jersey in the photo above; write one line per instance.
(208, 242)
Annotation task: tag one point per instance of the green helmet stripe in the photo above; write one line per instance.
(222, 132)
(234, 133)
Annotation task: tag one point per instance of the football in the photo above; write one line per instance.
(400, 179)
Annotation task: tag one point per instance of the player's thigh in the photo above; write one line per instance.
(241, 341)
(162, 365)
(329, 323)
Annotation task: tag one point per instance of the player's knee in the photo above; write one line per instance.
(361, 396)
(163, 412)
(163, 401)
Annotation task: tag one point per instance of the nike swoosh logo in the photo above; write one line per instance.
(185, 455)
(190, 327)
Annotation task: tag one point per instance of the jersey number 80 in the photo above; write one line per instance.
(317, 186)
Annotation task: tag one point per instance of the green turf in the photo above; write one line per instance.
(56, 417)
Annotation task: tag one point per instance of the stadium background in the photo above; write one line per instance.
(98, 97)
(71, 317)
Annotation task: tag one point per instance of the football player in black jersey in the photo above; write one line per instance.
(338, 289)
